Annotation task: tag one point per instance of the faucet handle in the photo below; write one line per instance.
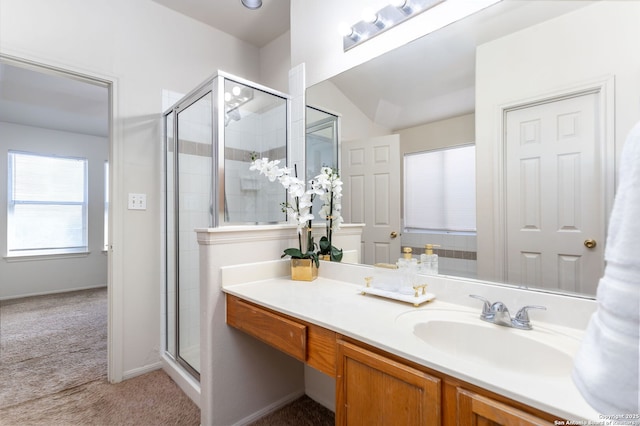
(521, 319)
(486, 307)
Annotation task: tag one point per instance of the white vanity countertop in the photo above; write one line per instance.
(339, 306)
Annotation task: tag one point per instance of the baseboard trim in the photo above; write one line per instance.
(130, 374)
(47, 293)
(270, 408)
(184, 380)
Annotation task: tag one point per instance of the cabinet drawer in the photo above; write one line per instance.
(282, 333)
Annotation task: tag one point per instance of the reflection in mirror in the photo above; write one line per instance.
(322, 140)
(469, 82)
(255, 125)
(440, 207)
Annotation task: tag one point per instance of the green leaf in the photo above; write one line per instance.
(294, 253)
(325, 247)
(336, 254)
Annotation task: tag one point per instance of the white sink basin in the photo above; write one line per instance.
(461, 334)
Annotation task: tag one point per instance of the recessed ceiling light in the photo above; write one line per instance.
(252, 4)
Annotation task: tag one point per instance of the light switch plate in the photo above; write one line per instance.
(137, 201)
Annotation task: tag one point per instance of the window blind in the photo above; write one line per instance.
(47, 208)
(439, 189)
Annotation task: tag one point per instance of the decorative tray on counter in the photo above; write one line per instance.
(418, 297)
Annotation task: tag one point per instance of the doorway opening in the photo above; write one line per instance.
(55, 149)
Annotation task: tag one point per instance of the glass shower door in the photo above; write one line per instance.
(193, 210)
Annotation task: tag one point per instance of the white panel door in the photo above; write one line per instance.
(371, 176)
(555, 202)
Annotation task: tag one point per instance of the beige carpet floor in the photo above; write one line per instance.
(304, 411)
(53, 364)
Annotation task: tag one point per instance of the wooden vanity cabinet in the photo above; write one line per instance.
(372, 389)
(306, 342)
(378, 388)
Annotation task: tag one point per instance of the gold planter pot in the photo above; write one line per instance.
(303, 270)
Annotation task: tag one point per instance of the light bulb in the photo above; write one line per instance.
(403, 5)
(227, 96)
(236, 90)
(369, 16)
(344, 29)
(252, 4)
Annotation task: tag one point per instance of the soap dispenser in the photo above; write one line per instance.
(408, 266)
(407, 258)
(429, 260)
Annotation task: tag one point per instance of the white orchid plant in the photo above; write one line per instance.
(327, 185)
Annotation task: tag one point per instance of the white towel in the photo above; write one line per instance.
(606, 367)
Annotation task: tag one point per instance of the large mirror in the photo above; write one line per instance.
(506, 80)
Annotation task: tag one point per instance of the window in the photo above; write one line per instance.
(440, 190)
(47, 206)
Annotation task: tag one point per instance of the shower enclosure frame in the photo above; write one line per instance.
(214, 87)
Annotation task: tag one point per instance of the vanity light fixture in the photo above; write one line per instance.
(374, 23)
(252, 4)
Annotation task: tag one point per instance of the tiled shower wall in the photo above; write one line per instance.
(456, 254)
(248, 194)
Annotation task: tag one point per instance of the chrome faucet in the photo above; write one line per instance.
(497, 313)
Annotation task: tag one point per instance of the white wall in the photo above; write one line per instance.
(573, 50)
(143, 47)
(450, 132)
(354, 124)
(275, 62)
(50, 275)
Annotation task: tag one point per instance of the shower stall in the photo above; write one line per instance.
(211, 136)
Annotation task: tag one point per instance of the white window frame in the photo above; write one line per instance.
(411, 218)
(13, 252)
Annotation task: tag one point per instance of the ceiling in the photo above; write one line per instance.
(257, 27)
(52, 101)
(429, 79)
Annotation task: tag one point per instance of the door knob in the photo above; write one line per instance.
(590, 243)
(393, 234)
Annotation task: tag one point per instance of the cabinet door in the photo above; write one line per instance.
(478, 410)
(374, 390)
